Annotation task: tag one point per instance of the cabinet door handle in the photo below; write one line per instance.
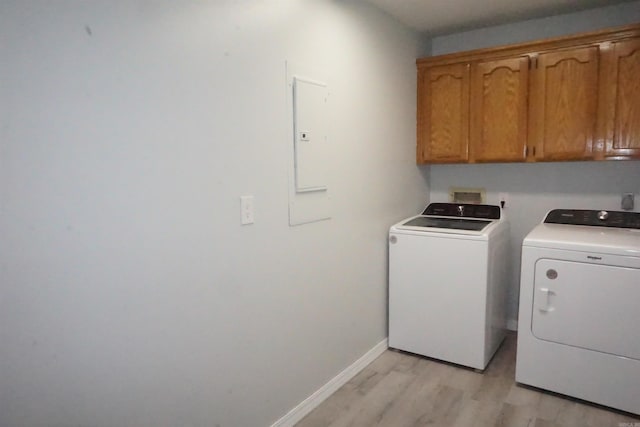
(526, 150)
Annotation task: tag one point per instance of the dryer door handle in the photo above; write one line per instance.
(543, 300)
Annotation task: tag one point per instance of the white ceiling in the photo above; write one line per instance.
(438, 17)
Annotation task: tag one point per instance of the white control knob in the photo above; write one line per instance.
(603, 215)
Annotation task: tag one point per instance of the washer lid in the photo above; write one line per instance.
(615, 241)
(447, 223)
(418, 226)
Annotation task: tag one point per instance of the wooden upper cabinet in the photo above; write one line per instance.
(564, 104)
(443, 114)
(568, 98)
(498, 127)
(621, 95)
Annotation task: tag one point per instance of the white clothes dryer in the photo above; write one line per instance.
(579, 313)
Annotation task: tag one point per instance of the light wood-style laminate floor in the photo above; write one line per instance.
(400, 389)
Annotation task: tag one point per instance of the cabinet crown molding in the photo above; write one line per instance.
(533, 48)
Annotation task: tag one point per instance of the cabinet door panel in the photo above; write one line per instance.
(564, 104)
(443, 114)
(499, 110)
(622, 92)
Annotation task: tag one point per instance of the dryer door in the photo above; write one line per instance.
(586, 305)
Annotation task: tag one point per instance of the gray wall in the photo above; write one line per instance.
(534, 189)
(535, 29)
(130, 295)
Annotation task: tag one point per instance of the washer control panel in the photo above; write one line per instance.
(465, 210)
(603, 218)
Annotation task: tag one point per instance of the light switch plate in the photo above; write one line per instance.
(246, 210)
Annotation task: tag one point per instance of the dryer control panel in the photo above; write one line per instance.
(603, 218)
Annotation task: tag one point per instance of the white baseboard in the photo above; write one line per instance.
(512, 325)
(311, 402)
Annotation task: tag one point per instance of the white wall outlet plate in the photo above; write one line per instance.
(503, 198)
(627, 201)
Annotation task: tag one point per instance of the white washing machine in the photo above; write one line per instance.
(447, 283)
(578, 326)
